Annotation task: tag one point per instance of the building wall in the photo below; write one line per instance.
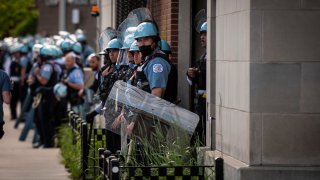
(267, 88)
(48, 22)
(165, 13)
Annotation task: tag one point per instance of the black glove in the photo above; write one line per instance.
(1, 130)
(90, 116)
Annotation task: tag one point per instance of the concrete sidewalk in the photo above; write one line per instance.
(18, 160)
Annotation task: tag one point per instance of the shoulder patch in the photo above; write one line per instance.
(157, 68)
(77, 73)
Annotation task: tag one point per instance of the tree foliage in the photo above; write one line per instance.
(18, 17)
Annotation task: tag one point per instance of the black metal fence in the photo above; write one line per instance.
(110, 166)
(112, 170)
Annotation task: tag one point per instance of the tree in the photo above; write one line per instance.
(18, 17)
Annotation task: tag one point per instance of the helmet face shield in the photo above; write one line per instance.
(200, 19)
(122, 58)
(105, 37)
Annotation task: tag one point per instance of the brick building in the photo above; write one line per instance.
(165, 13)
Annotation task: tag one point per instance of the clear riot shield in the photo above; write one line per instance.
(126, 31)
(134, 113)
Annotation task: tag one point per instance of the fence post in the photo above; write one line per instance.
(115, 169)
(106, 155)
(100, 161)
(219, 168)
(109, 166)
(84, 146)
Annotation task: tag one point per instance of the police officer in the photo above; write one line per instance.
(45, 79)
(136, 61)
(15, 77)
(137, 58)
(74, 79)
(106, 75)
(94, 63)
(135, 53)
(4, 57)
(172, 83)
(153, 74)
(109, 76)
(86, 49)
(110, 72)
(165, 48)
(77, 49)
(197, 76)
(25, 65)
(5, 96)
(127, 70)
(68, 46)
(31, 76)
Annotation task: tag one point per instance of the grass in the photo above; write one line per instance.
(162, 147)
(70, 152)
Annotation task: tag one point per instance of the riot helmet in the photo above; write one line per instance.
(66, 46)
(203, 27)
(164, 46)
(144, 33)
(146, 29)
(113, 49)
(60, 91)
(47, 52)
(77, 48)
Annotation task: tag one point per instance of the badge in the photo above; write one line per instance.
(157, 68)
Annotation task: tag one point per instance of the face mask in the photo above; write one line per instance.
(145, 50)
